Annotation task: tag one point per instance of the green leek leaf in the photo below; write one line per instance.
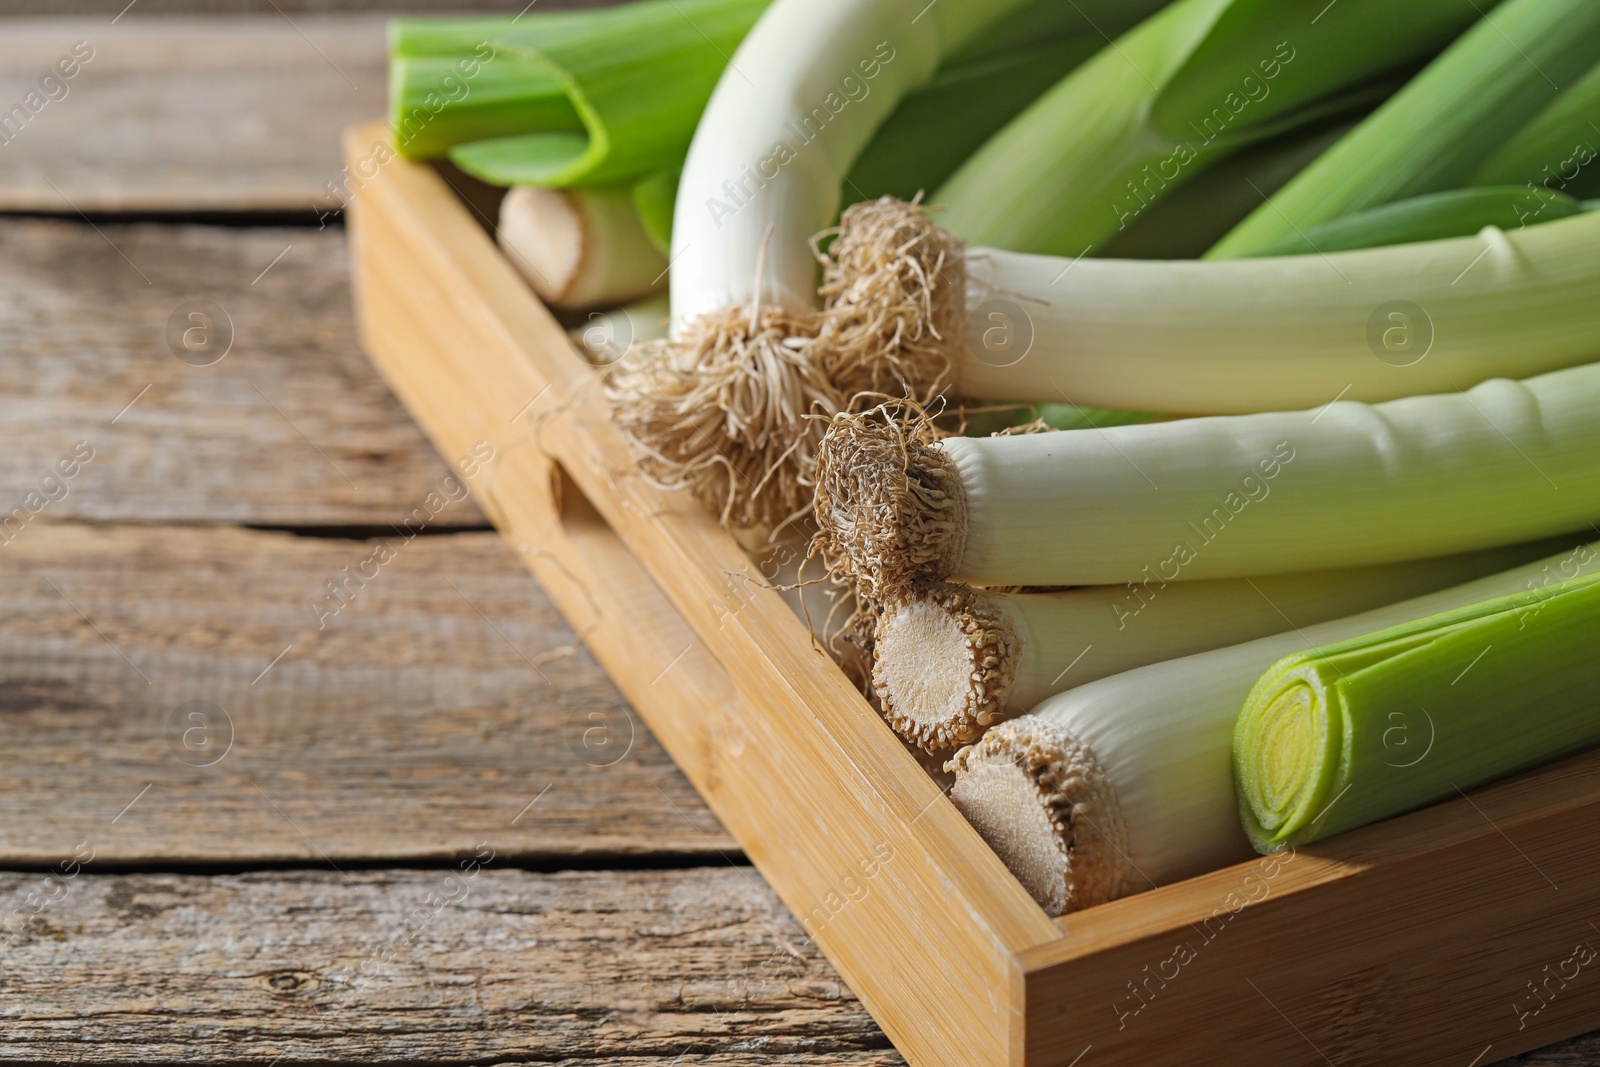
(1432, 217)
(1362, 730)
(1436, 131)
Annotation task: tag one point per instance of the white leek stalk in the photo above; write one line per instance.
(1279, 333)
(580, 247)
(1127, 783)
(1342, 485)
(951, 660)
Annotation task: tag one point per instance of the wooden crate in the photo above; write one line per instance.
(1420, 941)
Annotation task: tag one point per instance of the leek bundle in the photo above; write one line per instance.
(1223, 497)
(1434, 132)
(1358, 731)
(725, 409)
(950, 660)
(1127, 782)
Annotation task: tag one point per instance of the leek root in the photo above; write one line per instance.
(1343, 485)
(950, 660)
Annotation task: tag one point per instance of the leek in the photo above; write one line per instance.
(1432, 216)
(1127, 782)
(1474, 693)
(1557, 149)
(580, 247)
(1192, 84)
(1343, 485)
(949, 660)
(1433, 133)
(723, 408)
(935, 127)
(1279, 333)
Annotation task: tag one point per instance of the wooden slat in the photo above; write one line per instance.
(290, 427)
(187, 113)
(423, 717)
(659, 967)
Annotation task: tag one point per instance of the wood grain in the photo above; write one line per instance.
(693, 967)
(187, 113)
(427, 713)
(290, 427)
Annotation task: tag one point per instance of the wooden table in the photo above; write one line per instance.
(299, 763)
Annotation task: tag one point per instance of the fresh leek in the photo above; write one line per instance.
(1341, 485)
(1278, 333)
(724, 408)
(1127, 783)
(950, 660)
(1364, 729)
(1434, 132)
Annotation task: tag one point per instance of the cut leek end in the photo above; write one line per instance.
(1040, 800)
(580, 248)
(1286, 753)
(890, 508)
(944, 664)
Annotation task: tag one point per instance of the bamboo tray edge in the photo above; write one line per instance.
(1409, 942)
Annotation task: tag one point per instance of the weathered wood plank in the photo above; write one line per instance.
(183, 113)
(698, 966)
(438, 704)
(291, 426)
